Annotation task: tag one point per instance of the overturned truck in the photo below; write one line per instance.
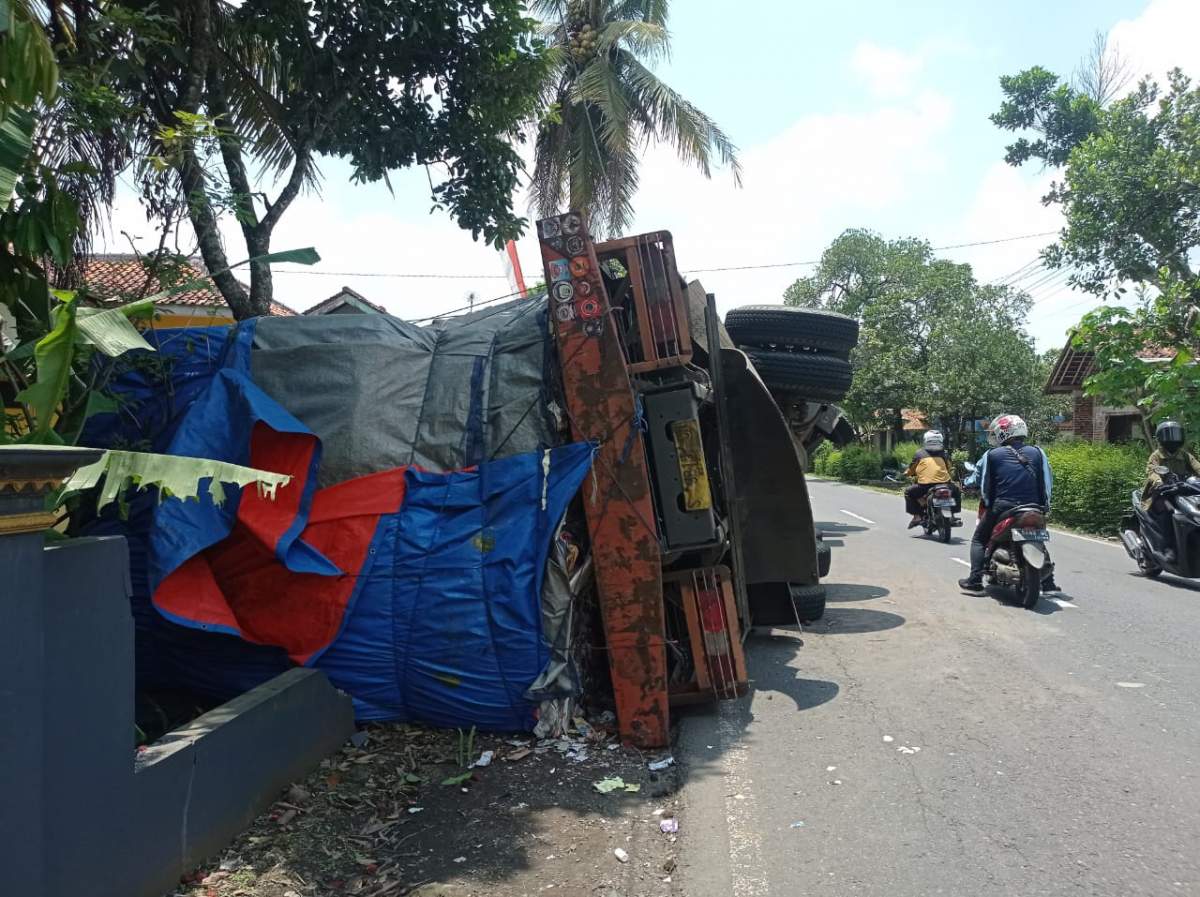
(467, 497)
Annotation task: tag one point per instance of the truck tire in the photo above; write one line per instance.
(809, 602)
(805, 328)
(812, 375)
(824, 558)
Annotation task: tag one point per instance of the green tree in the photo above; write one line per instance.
(1145, 356)
(981, 362)
(1130, 190)
(929, 333)
(228, 107)
(604, 104)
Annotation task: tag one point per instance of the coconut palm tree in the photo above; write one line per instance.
(603, 105)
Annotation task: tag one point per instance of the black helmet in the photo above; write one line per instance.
(1170, 435)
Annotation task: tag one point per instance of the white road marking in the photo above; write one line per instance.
(1131, 685)
(747, 871)
(961, 561)
(856, 516)
(1063, 532)
(1061, 602)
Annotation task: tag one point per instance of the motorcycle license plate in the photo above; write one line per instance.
(943, 503)
(1032, 535)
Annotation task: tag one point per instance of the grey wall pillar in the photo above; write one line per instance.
(26, 477)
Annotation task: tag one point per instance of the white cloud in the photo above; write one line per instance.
(1008, 201)
(801, 188)
(1161, 38)
(377, 242)
(887, 72)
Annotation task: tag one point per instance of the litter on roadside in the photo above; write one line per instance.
(485, 759)
(621, 855)
(519, 754)
(415, 810)
(888, 738)
(615, 783)
(799, 823)
(659, 765)
(669, 826)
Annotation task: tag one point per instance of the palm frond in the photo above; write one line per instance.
(646, 40)
(546, 181)
(694, 135)
(653, 12)
(599, 85)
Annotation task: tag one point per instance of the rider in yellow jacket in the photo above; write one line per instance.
(930, 466)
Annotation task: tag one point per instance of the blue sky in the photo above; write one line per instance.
(853, 114)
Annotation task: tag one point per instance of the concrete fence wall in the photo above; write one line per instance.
(84, 813)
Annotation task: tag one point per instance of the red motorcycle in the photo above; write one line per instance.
(1017, 556)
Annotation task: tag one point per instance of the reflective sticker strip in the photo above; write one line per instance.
(690, 451)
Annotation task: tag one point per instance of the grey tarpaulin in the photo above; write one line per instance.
(560, 589)
(381, 393)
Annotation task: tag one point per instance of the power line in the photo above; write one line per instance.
(445, 276)
(389, 274)
(818, 261)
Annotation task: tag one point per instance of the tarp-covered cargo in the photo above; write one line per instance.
(406, 558)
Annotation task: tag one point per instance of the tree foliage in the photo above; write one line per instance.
(603, 104)
(1145, 357)
(931, 336)
(278, 84)
(1131, 183)
(226, 108)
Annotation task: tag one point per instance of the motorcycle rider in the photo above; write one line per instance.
(930, 466)
(1009, 475)
(1177, 460)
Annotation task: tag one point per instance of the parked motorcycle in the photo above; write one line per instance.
(1143, 541)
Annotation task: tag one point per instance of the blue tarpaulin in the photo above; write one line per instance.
(417, 590)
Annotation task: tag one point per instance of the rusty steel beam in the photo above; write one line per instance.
(617, 500)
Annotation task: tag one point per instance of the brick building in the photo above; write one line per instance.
(1091, 420)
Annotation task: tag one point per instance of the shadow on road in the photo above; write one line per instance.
(769, 655)
(855, 621)
(1008, 597)
(838, 529)
(1174, 582)
(840, 592)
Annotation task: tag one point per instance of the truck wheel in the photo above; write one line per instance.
(809, 602)
(805, 328)
(813, 375)
(824, 558)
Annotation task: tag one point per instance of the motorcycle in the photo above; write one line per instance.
(939, 512)
(1143, 542)
(1017, 556)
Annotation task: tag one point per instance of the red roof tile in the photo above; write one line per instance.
(113, 277)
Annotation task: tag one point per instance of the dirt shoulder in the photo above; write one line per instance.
(384, 819)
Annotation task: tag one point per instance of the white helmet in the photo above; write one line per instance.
(933, 441)
(1005, 427)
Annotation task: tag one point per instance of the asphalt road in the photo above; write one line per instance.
(924, 742)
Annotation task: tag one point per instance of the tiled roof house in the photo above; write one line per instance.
(124, 278)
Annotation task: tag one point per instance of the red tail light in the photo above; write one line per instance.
(1031, 520)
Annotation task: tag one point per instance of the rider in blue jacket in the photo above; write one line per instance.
(1008, 475)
